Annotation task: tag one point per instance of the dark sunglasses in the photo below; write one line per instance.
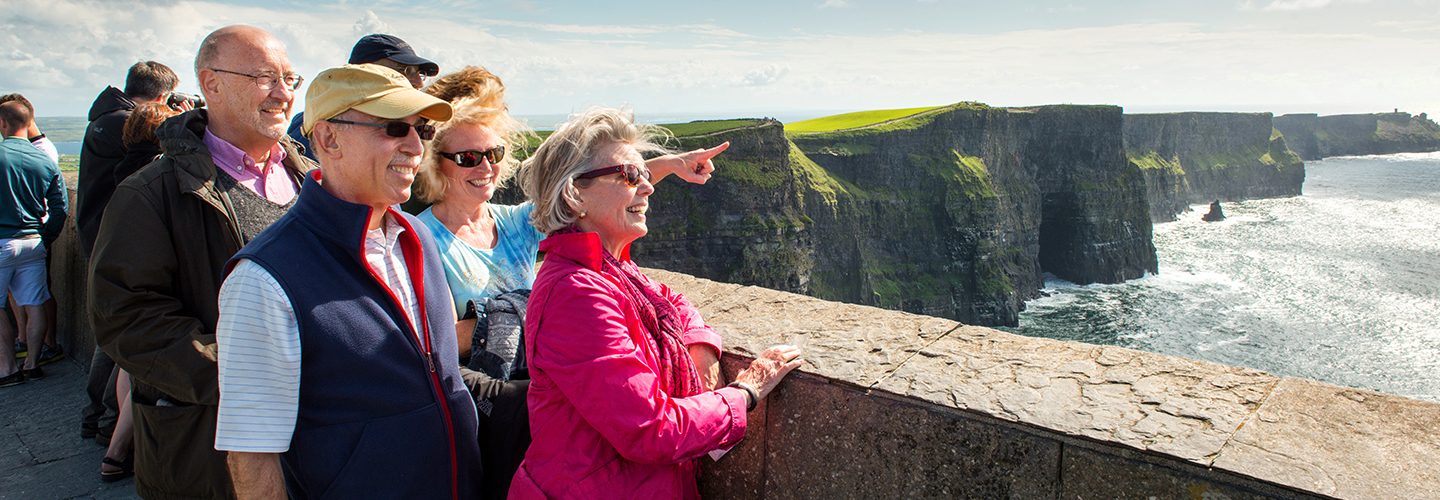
(469, 159)
(632, 173)
(426, 131)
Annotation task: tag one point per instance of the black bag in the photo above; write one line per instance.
(497, 346)
(499, 382)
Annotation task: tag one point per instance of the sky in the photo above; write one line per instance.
(744, 58)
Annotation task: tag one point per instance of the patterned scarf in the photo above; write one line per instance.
(660, 318)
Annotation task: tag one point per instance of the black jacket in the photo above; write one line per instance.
(101, 151)
(153, 298)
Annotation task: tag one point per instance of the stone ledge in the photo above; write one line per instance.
(1199, 428)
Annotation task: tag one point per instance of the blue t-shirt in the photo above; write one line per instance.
(475, 274)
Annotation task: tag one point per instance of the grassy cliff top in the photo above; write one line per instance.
(702, 127)
(853, 120)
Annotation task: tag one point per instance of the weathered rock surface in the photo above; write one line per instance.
(1342, 442)
(1314, 137)
(891, 404)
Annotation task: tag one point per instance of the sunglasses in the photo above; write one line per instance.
(633, 174)
(426, 131)
(469, 159)
(408, 71)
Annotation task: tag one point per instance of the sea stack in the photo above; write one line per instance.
(1215, 214)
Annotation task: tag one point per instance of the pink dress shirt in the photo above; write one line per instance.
(270, 180)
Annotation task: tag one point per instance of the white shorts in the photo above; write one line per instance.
(22, 271)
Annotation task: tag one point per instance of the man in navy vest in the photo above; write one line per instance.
(373, 405)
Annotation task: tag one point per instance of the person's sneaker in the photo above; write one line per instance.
(20, 349)
(16, 378)
(49, 354)
(34, 373)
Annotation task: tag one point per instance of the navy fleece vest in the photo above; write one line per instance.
(382, 414)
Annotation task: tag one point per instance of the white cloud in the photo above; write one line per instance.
(713, 66)
(370, 23)
(1297, 4)
(833, 4)
(767, 75)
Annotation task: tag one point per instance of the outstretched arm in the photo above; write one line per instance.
(694, 167)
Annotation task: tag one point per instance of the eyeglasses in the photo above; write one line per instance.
(470, 159)
(632, 173)
(412, 71)
(267, 81)
(425, 130)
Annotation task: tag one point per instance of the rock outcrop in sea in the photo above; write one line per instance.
(1314, 137)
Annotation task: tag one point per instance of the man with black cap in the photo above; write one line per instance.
(348, 295)
(385, 50)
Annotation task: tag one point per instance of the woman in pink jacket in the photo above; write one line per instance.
(624, 394)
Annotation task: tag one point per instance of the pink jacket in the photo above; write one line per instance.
(601, 425)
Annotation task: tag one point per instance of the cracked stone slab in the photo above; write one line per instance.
(857, 345)
(1343, 442)
(1170, 405)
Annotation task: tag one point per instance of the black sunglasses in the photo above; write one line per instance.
(632, 173)
(426, 131)
(469, 159)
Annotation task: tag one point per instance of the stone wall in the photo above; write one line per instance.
(891, 404)
(68, 274)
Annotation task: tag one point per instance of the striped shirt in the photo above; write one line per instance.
(259, 343)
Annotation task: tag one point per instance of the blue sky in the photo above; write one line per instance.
(749, 58)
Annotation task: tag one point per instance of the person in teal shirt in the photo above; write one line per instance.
(30, 220)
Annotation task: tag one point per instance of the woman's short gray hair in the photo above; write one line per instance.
(548, 176)
(485, 110)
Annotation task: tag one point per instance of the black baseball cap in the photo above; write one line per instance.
(376, 47)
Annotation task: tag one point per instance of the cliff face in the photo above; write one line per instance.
(1314, 137)
(746, 226)
(954, 213)
(1200, 157)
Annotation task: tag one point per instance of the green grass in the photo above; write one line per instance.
(701, 127)
(62, 128)
(69, 162)
(852, 120)
(1152, 161)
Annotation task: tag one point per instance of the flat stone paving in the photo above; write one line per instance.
(41, 454)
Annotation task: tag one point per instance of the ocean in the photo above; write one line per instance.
(1340, 285)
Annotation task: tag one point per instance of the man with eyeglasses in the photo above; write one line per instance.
(385, 50)
(227, 173)
(351, 282)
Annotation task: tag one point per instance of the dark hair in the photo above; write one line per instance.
(18, 98)
(149, 80)
(16, 115)
(140, 127)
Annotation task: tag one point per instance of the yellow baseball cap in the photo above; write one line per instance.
(368, 88)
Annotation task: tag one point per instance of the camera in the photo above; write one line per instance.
(177, 98)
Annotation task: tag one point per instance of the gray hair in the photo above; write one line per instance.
(548, 176)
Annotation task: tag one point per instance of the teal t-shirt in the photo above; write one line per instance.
(474, 273)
